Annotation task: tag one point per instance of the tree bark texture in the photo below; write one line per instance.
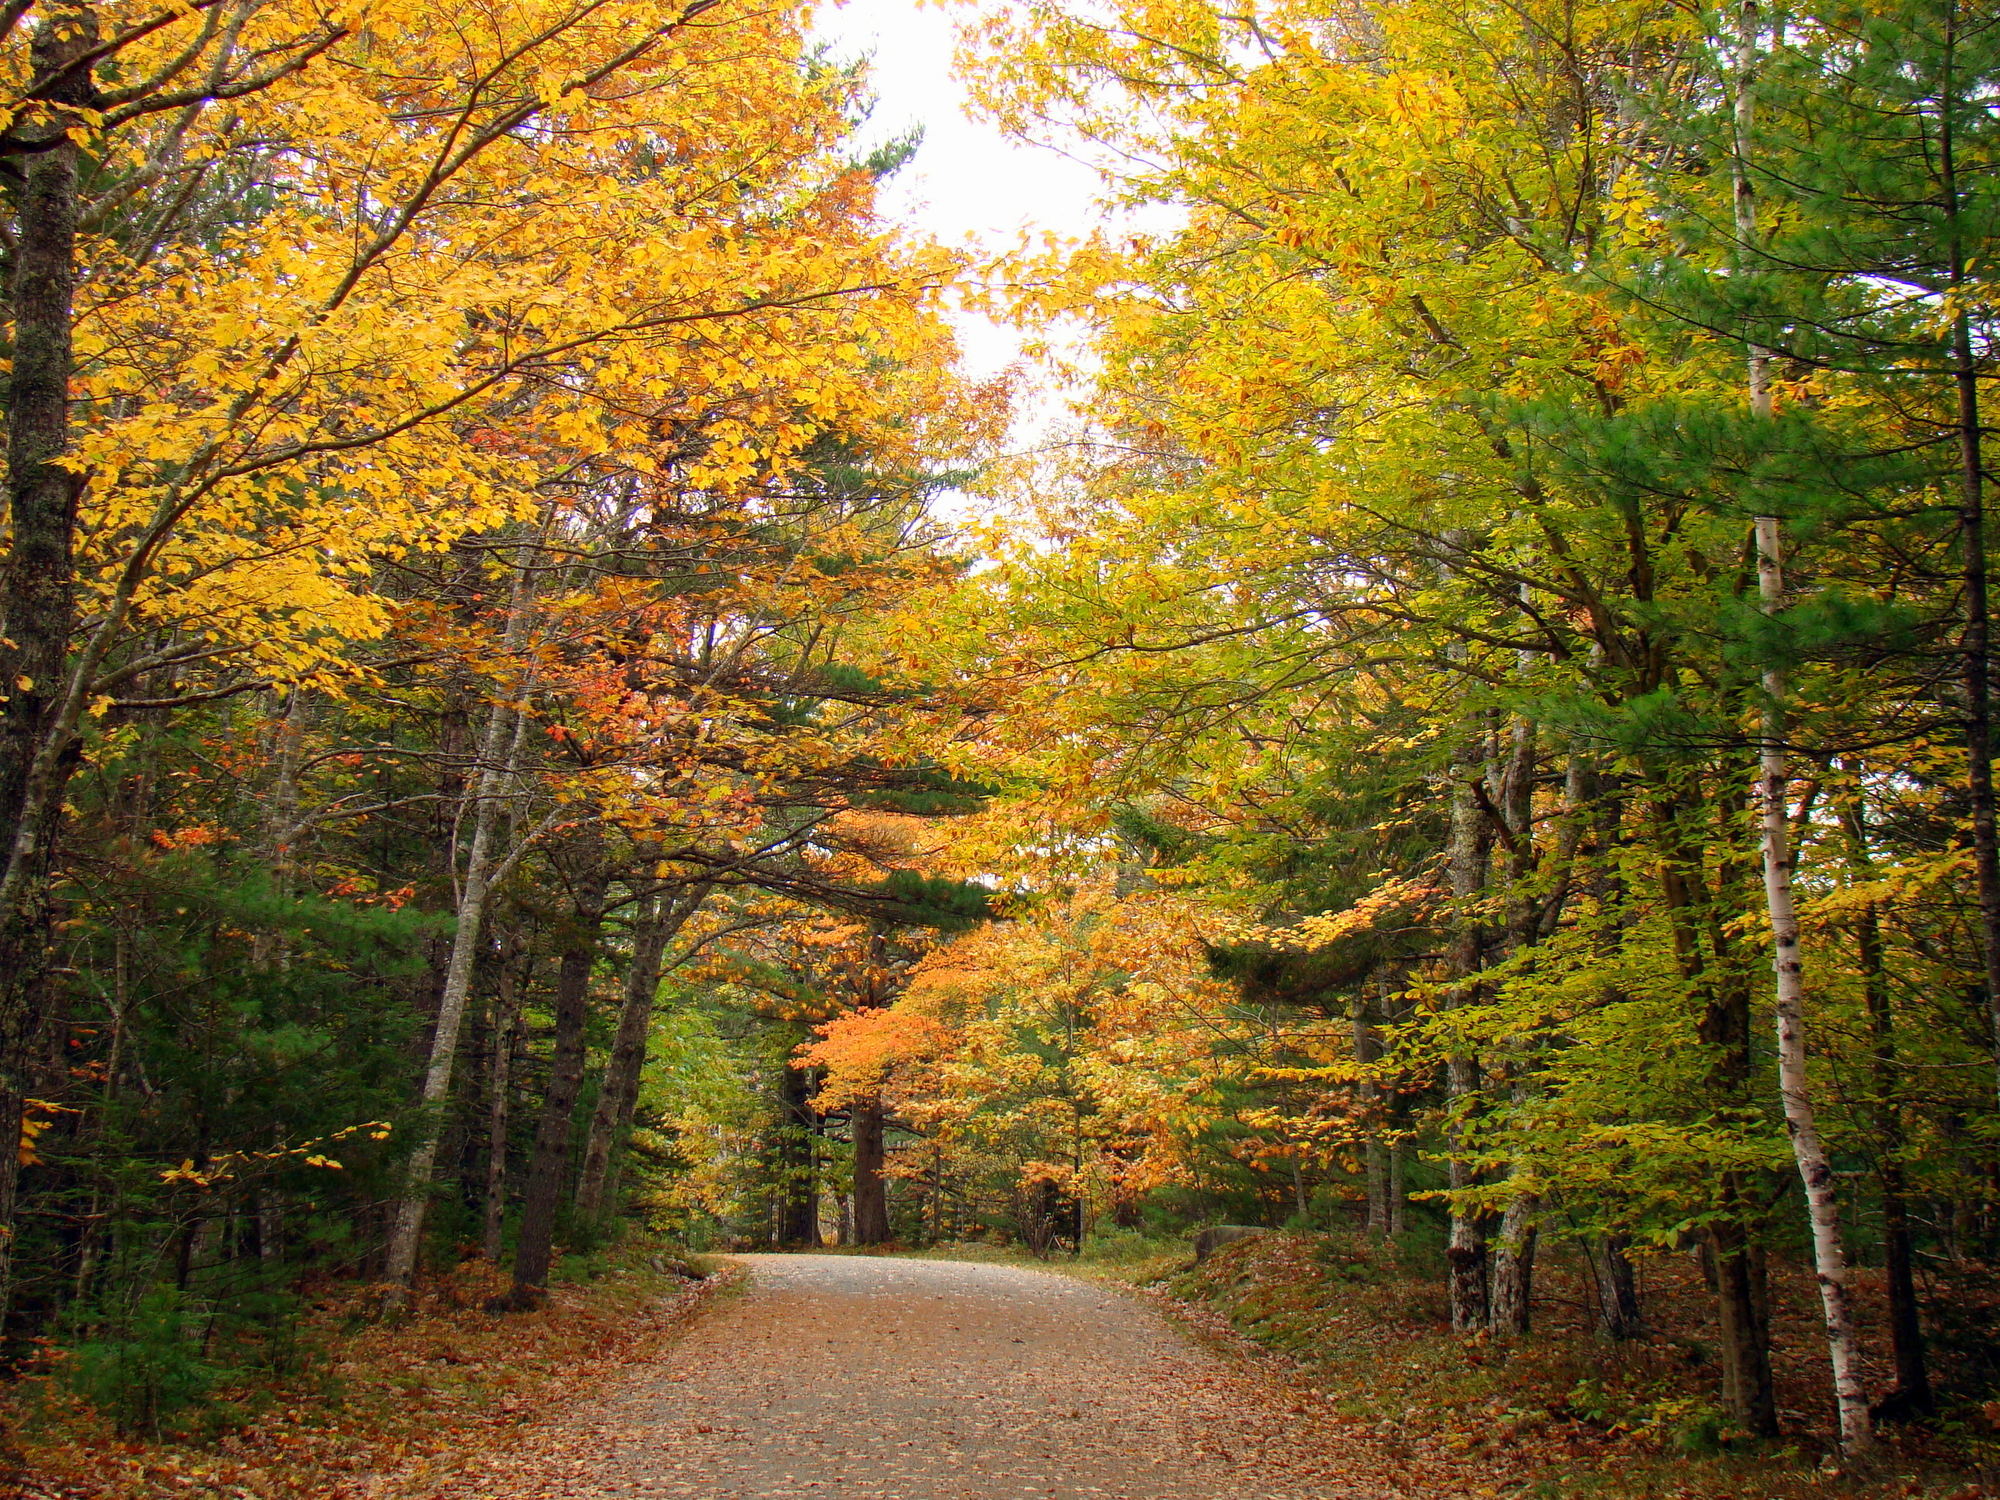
(1399, 1197)
(798, 1194)
(38, 608)
(654, 927)
(1514, 1267)
(499, 751)
(1725, 1027)
(577, 944)
(1746, 1339)
(515, 972)
(1794, 1085)
(1375, 1157)
(1976, 643)
(1465, 859)
(1912, 1396)
(1618, 1316)
(871, 1190)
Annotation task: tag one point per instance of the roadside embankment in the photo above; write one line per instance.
(1561, 1412)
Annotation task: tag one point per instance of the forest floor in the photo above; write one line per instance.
(1363, 1340)
(1283, 1369)
(370, 1410)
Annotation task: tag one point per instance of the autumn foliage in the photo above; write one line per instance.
(1477, 736)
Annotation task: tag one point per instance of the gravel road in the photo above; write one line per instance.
(874, 1379)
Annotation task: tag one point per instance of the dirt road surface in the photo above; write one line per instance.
(873, 1379)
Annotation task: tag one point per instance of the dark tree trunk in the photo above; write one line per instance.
(871, 1196)
(1912, 1398)
(1912, 1395)
(1977, 642)
(798, 1192)
(1465, 1245)
(1465, 860)
(534, 1247)
(516, 970)
(38, 581)
(1617, 1290)
(1977, 646)
(1375, 1154)
(653, 928)
(1725, 1029)
(1741, 1302)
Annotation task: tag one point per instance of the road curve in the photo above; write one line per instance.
(876, 1379)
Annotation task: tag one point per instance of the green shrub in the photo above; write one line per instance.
(148, 1372)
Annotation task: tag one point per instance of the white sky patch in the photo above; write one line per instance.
(969, 185)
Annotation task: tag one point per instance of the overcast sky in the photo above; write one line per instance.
(967, 182)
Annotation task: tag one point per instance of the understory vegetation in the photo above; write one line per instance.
(1564, 1413)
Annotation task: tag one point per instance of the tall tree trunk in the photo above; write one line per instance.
(1617, 1290)
(1514, 1267)
(1977, 642)
(653, 928)
(1465, 859)
(798, 1191)
(1375, 1158)
(38, 580)
(871, 1195)
(578, 943)
(499, 758)
(516, 970)
(281, 817)
(1725, 1029)
(1794, 1086)
(628, 1049)
(1747, 1389)
(1912, 1396)
(1773, 785)
(1398, 1191)
(1376, 1164)
(1512, 1291)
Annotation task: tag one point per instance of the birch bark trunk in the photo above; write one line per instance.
(1794, 1087)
